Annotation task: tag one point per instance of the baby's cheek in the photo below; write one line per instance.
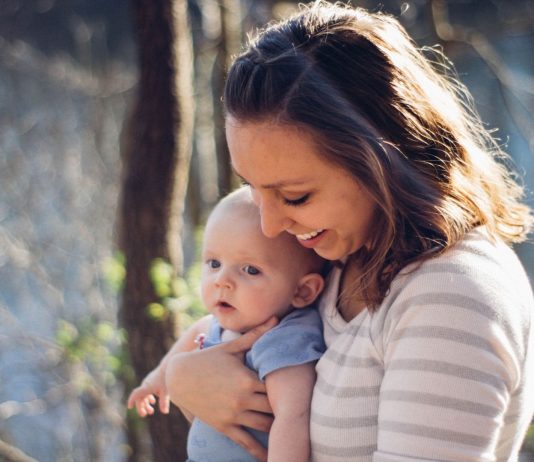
(204, 289)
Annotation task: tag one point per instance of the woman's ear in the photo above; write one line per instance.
(308, 289)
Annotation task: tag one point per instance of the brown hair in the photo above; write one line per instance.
(379, 108)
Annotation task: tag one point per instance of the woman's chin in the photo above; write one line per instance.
(329, 254)
(336, 252)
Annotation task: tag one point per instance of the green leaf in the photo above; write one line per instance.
(66, 333)
(114, 271)
(180, 287)
(161, 272)
(157, 311)
(105, 332)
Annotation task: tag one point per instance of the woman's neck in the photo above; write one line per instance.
(350, 301)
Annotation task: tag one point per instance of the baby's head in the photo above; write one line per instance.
(246, 277)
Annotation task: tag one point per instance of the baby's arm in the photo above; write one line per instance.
(290, 390)
(144, 396)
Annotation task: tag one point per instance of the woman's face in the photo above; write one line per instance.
(298, 191)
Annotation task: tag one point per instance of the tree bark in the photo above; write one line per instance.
(229, 43)
(156, 152)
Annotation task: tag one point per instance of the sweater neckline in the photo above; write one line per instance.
(328, 302)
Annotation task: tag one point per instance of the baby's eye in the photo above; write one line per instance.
(214, 264)
(252, 270)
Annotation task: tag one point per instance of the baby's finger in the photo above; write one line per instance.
(147, 408)
(140, 409)
(134, 396)
(164, 404)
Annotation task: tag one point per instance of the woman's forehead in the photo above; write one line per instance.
(273, 156)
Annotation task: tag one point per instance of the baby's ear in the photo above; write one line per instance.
(308, 289)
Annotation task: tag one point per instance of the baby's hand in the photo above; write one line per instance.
(144, 396)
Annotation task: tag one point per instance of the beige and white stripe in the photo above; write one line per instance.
(441, 371)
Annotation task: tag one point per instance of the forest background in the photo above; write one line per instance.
(111, 155)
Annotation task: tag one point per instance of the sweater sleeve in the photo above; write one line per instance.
(452, 354)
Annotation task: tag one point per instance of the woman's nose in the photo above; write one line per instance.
(273, 220)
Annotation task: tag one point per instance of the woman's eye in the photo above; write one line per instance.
(252, 270)
(295, 202)
(214, 264)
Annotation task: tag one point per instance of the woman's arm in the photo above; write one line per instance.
(215, 386)
(290, 390)
(453, 366)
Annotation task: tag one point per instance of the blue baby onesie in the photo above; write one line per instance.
(297, 339)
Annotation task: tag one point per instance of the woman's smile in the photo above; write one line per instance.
(308, 236)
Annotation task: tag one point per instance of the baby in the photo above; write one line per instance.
(246, 279)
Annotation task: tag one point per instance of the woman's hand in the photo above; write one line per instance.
(215, 386)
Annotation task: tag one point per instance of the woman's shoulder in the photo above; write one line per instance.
(478, 285)
(478, 266)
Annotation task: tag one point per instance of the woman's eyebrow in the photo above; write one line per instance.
(276, 185)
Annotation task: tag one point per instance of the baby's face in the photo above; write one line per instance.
(246, 277)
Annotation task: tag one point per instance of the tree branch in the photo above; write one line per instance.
(21, 55)
(448, 32)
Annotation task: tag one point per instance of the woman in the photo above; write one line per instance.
(353, 142)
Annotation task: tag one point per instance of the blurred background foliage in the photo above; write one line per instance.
(68, 77)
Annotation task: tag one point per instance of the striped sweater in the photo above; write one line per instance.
(441, 371)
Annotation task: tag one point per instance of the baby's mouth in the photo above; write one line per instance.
(223, 304)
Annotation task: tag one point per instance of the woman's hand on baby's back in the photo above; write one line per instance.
(215, 386)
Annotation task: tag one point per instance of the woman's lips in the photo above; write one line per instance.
(310, 235)
(310, 240)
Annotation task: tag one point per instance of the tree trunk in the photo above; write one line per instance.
(156, 152)
(229, 43)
